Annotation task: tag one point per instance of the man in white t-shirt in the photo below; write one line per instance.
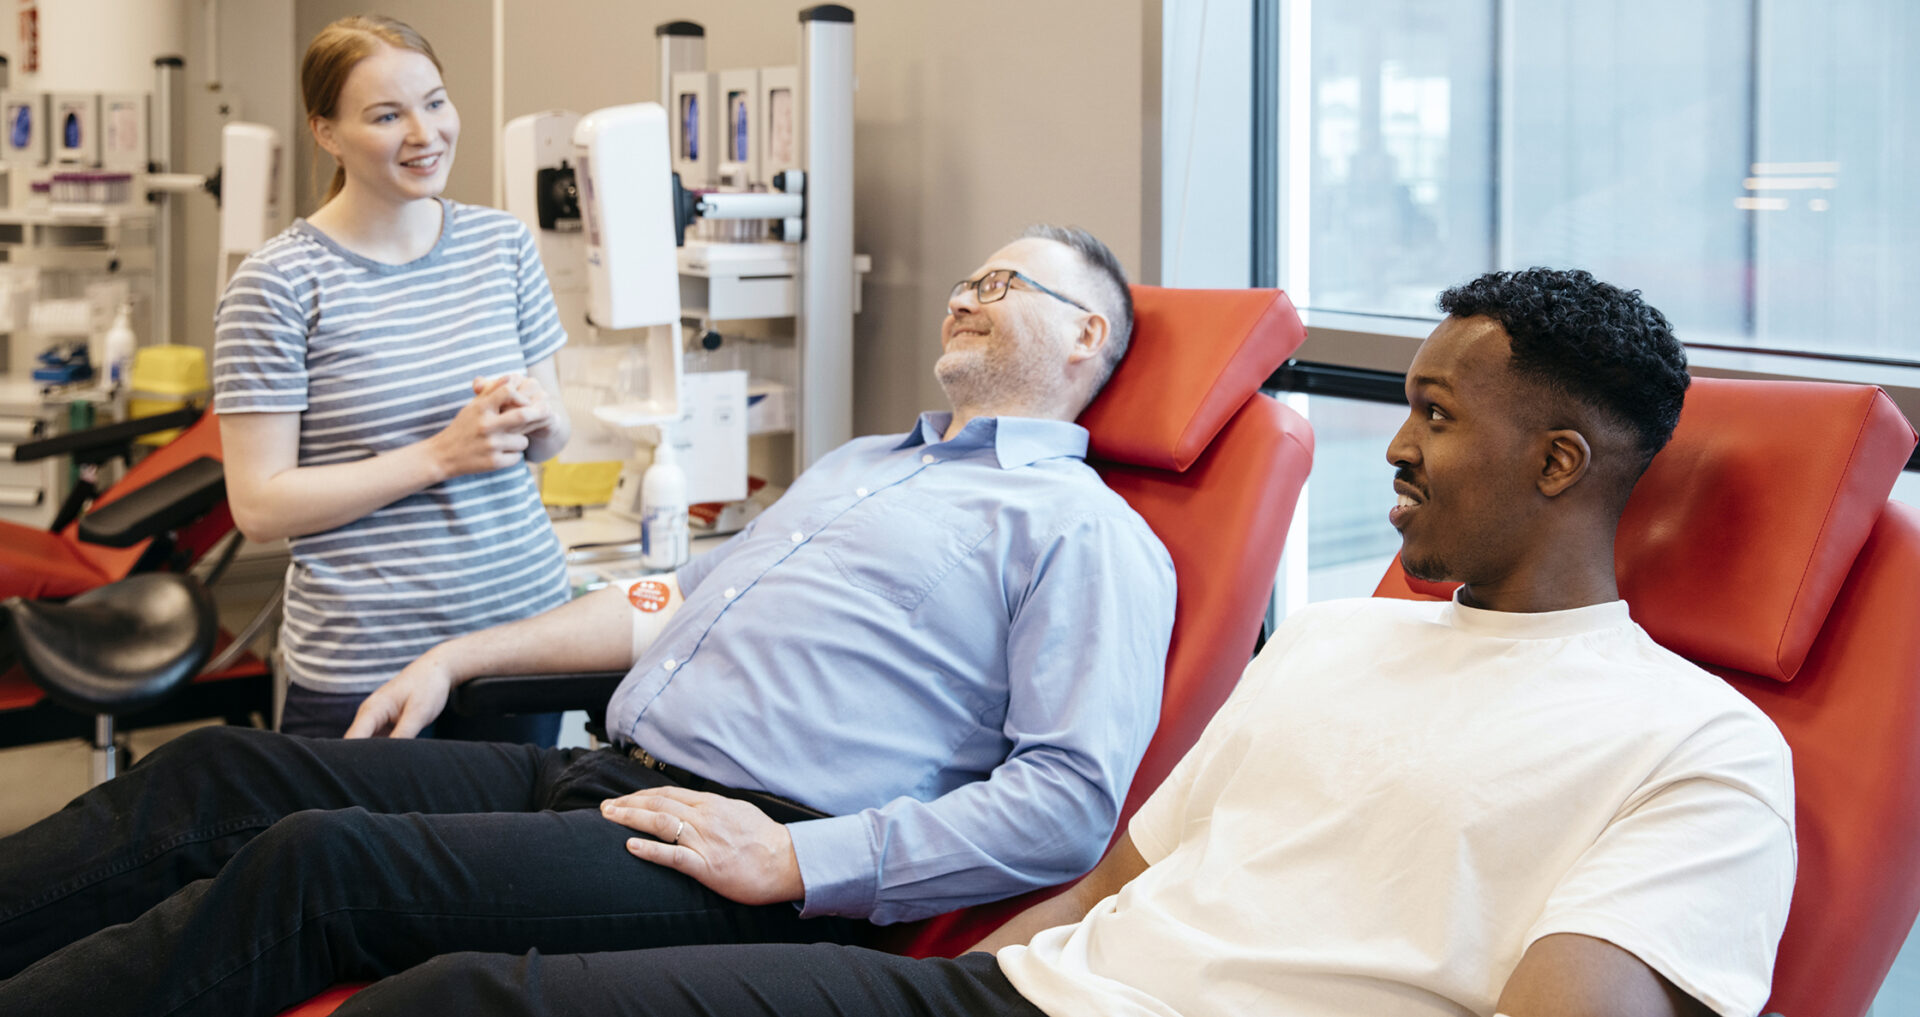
(1513, 803)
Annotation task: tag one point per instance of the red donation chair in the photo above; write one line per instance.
(1213, 465)
(57, 564)
(166, 513)
(1761, 545)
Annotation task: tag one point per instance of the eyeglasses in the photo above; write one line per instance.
(993, 286)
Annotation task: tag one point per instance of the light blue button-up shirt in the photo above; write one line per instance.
(954, 647)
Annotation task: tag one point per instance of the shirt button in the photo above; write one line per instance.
(798, 536)
(729, 593)
(926, 459)
(859, 492)
(669, 664)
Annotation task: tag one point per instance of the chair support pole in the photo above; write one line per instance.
(103, 748)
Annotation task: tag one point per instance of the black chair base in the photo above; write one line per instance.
(119, 649)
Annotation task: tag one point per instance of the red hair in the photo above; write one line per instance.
(336, 51)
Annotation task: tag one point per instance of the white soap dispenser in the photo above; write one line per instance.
(663, 509)
(117, 349)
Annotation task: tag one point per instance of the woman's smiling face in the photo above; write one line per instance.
(394, 129)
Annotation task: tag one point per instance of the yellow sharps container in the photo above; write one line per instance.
(166, 378)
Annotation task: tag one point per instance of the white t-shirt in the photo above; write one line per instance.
(1400, 797)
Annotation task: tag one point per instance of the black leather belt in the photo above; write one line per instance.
(784, 810)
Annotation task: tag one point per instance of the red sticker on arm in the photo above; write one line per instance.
(649, 595)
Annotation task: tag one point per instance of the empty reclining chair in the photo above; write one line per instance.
(120, 649)
(166, 513)
(56, 564)
(1214, 466)
(1761, 545)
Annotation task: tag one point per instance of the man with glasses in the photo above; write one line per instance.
(921, 680)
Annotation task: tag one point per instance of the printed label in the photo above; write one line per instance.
(649, 595)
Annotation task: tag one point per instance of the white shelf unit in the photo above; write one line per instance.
(747, 282)
(70, 248)
(63, 250)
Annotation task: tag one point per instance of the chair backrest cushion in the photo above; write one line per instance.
(1852, 718)
(199, 440)
(1741, 532)
(1743, 529)
(1195, 358)
(1224, 522)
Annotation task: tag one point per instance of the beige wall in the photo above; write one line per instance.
(461, 32)
(255, 85)
(971, 121)
(260, 45)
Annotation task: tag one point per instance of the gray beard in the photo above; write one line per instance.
(978, 381)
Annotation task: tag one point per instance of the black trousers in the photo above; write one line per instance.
(238, 872)
(775, 980)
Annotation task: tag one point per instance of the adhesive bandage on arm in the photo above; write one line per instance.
(654, 600)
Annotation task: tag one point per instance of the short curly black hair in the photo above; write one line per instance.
(1589, 340)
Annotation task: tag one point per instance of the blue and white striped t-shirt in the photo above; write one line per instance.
(375, 357)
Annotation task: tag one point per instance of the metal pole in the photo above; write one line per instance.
(162, 158)
(683, 47)
(105, 760)
(1266, 144)
(824, 327)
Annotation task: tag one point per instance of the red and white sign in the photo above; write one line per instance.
(30, 36)
(649, 595)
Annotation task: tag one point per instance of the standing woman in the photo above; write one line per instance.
(383, 370)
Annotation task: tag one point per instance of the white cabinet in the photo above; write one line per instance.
(738, 282)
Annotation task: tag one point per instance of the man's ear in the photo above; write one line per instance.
(1092, 341)
(1567, 457)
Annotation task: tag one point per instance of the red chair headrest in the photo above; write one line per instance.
(1738, 537)
(1171, 395)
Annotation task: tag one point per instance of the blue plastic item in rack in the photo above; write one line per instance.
(64, 365)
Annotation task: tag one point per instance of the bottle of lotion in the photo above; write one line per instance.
(663, 510)
(117, 349)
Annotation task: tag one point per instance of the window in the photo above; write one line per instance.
(1744, 164)
(1741, 162)
(1348, 543)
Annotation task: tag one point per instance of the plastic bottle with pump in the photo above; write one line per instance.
(117, 349)
(663, 509)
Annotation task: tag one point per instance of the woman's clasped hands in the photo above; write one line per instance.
(493, 431)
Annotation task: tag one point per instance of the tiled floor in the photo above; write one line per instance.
(36, 780)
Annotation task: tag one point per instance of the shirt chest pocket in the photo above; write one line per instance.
(899, 544)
